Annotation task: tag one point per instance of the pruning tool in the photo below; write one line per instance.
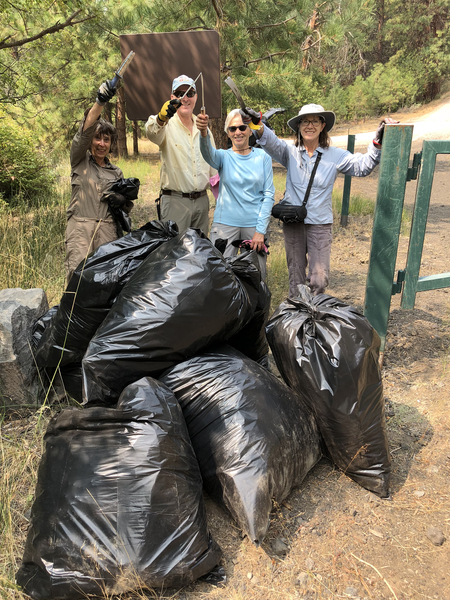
(230, 83)
(121, 70)
(203, 109)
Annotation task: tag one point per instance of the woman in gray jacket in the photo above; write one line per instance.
(308, 243)
(89, 222)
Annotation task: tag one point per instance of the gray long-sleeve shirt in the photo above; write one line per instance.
(299, 166)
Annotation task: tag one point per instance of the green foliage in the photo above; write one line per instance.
(357, 57)
(24, 172)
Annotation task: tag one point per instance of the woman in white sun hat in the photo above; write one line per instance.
(308, 242)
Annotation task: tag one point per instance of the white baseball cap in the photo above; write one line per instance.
(183, 80)
(313, 109)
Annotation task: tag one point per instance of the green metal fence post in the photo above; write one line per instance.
(414, 283)
(386, 227)
(347, 185)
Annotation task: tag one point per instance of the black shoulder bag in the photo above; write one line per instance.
(290, 213)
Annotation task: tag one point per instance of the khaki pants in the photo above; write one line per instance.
(186, 212)
(308, 244)
(83, 236)
(231, 233)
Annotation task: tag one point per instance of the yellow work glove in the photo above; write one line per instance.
(168, 109)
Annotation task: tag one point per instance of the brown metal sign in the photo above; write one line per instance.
(160, 57)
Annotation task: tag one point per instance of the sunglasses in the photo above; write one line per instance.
(190, 94)
(233, 128)
(314, 123)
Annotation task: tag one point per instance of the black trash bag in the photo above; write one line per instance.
(92, 290)
(129, 188)
(118, 502)
(183, 298)
(254, 438)
(251, 340)
(68, 377)
(120, 195)
(328, 352)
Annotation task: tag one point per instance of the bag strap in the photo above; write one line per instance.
(311, 179)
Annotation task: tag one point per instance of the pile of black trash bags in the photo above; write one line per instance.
(163, 342)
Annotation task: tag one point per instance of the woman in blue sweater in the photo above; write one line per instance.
(246, 190)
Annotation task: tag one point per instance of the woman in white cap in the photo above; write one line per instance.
(309, 241)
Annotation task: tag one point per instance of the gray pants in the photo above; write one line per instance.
(308, 244)
(186, 212)
(231, 233)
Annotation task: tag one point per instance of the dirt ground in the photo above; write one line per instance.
(340, 540)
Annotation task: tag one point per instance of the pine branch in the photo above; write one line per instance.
(218, 10)
(53, 29)
(270, 25)
(269, 57)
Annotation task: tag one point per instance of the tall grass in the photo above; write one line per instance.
(21, 444)
(32, 241)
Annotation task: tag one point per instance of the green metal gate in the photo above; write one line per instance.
(393, 176)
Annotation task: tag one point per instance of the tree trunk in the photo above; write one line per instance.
(107, 112)
(121, 124)
(219, 135)
(136, 132)
(380, 16)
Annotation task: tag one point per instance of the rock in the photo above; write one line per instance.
(279, 547)
(310, 564)
(19, 381)
(351, 591)
(249, 575)
(436, 536)
(300, 521)
(302, 579)
(419, 493)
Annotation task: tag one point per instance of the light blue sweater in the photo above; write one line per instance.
(246, 190)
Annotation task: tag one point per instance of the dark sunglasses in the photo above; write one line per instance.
(190, 94)
(233, 128)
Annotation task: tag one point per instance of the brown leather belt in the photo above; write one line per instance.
(191, 195)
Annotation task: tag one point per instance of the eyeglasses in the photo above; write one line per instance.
(314, 123)
(233, 128)
(190, 94)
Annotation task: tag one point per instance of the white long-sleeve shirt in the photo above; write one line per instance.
(183, 168)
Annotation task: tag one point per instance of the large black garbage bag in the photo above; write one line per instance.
(68, 377)
(91, 291)
(183, 298)
(254, 439)
(118, 501)
(328, 351)
(251, 339)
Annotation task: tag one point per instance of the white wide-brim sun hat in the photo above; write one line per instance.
(313, 109)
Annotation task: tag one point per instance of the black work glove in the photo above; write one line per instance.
(168, 109)
(251, 118)
(114, 199)
(105, 93)
(378, 139)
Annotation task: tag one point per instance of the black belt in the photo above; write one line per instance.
(191, 195)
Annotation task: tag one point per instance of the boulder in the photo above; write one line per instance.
(19, 380)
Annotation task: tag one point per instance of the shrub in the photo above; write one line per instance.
(25, 174)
